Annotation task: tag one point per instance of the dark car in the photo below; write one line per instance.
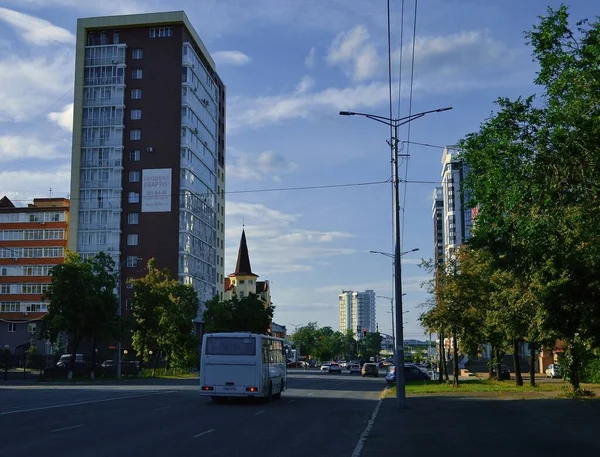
(504, 373)
(411, 373)
(369, 369)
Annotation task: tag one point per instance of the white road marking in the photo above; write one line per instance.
(163, 408)
(87, 402)
(260, 412)
(310, 394)
(291, 401)
(365, 434)
(204, 433)
(68, 428)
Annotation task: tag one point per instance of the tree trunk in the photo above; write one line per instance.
(517, 362)
(74, 347)
(492, 356)
(574, 368)
(441, 357)
(454, 359)
(93, 370)
(498, 365)
(532, 364)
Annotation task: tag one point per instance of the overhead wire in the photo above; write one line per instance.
(410, 100)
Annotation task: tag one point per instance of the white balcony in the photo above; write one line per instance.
(109, 101)
(105, 61)
(101, 184)
(112, 163)
(106, 121)
(105, 81)
(94, 143)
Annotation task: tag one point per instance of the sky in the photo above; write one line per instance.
(290, 66)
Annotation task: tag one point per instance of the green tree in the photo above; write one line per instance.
(534, 174)
(305, 339)
(350, 348)
(247, 314)
(164, 312)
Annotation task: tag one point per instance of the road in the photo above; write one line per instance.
(319, 414)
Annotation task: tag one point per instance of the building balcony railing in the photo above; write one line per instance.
(100, 227)
(105, 81)
(107, 204)
(111, 163)
(101, 184)
(109, 101)
(105, 61)
(106, 121)
(102, 142)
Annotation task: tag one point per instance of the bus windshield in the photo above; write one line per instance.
(230, 345)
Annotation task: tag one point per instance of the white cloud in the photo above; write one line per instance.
(311, 58)
(354, 51)
(267, 164)
(275, 242)
(305, 84)
(63, 118)
(236, 58)
(25, 185)
(120, 7)
(35, 30)
(29, 147)
(29, 84)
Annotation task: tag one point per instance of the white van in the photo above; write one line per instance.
(65, 360)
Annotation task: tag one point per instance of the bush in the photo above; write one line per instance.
(591, 371)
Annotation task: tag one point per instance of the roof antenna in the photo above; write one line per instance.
(51, 192)
(243, 225)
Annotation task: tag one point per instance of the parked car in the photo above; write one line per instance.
(325, 366)
(504, 373)
(369, 369)
(354, 368)
(553, 371)
(334, 368)
(411, 373)
(65, 360)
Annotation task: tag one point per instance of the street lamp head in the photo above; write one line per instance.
(347, 113)
(414, 250)
(448, 108)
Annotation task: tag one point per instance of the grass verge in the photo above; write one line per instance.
(508, 388)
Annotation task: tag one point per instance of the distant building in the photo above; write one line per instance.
(148, 150)
(457, 218)
(438, 225)
(278, 330)
(33, 239)
(357, 312)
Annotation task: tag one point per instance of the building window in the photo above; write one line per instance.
(137, 54)
(116, 37)
(133, 197)
(135, 134)
(136, 114)
(132, 240)
(134, 156)
(31, 328)
(129, 304)
(136, 94)
(12, 327)
(133, 218)
(132, 261)
(128, 283)
(134, 176)
(136, 73)
(241, 281)
(161, 32)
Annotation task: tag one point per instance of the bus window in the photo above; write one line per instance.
(223, 345)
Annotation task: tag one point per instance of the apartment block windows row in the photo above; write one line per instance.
(161, 32)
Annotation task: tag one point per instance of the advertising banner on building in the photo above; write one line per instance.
(156, 190)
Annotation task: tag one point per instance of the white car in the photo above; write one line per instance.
(354, 368)
(553, 371)
(335, 368)
(325, 366)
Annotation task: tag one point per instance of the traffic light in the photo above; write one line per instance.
(364, 332)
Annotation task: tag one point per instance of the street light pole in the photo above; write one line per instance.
(399, 349)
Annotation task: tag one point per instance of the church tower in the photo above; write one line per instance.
(242, 279)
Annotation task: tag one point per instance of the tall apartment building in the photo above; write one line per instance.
(33, 239)
(357, 312)
(438, 225)
(148, 158)
(456, 214)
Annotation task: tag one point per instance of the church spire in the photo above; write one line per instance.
(242, 266)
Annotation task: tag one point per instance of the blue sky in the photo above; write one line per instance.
(290, 66)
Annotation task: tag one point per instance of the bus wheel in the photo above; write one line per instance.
(269, 397)
(278, 394)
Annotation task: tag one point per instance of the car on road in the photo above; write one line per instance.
(369, 369)
(411, 373)
(325, 366)
(334, 368)
(354, 368)
(504, 373)
(553, 371)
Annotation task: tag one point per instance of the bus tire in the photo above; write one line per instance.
(278, 394)
(269, 397)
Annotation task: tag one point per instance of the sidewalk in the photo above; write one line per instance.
(460, 425)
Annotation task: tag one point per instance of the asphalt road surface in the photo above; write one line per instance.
(319, 414)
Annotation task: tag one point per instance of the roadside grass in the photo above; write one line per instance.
(486, 386)
(161, 373)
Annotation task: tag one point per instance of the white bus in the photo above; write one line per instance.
(242, 365)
